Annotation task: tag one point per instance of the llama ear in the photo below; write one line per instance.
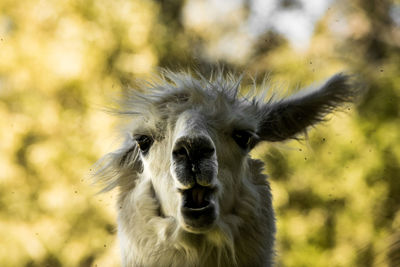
(119, 168)
(287, 118)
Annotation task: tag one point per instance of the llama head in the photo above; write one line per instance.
(190, 138)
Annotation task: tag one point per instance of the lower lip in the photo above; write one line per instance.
(199, 218)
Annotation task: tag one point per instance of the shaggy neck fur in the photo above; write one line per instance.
(242, 237)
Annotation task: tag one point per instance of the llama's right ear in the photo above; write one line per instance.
(289, 117)
(119, 168)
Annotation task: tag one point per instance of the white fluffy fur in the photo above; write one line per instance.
(149, 224)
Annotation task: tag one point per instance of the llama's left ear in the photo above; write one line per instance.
(289, 117)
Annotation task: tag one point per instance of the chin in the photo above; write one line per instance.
(198, 221)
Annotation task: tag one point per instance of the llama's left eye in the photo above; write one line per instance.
(144, 142)
(243, 138)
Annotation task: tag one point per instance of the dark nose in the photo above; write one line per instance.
(195, 161)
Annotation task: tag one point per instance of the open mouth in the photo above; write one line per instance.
(197, 197)
(198, 207)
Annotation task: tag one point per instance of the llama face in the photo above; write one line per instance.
(203, 157)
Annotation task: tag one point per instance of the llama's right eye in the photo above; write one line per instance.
(144, 143)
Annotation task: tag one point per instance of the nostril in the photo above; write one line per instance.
(208, 151)
(180, 152)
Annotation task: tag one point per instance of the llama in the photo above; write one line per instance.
(190, 194)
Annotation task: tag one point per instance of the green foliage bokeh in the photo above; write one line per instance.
(336, 194)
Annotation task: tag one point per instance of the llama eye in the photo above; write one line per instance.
(242, 138)
(144, 142)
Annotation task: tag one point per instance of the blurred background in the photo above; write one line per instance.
(336, 194)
